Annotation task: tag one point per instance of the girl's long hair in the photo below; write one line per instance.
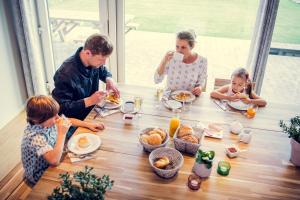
(243, 73)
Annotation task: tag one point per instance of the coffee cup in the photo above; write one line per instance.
(178, 56)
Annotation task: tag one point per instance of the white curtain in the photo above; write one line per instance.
(261, 41)
(26, 24)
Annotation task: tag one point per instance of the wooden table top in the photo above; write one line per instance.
(262, 171)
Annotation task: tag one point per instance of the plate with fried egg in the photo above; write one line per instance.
(84, 143)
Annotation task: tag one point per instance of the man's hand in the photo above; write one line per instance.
(197, 90)
(94, 98)
(97, 126)
(110, 85)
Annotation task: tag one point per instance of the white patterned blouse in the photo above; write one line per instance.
(182, 76)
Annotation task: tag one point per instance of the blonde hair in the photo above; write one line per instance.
(41, 108)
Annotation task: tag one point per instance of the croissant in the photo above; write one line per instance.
(162, 162)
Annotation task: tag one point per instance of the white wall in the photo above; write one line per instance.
(12, 85)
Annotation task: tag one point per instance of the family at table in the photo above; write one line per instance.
(53, 120)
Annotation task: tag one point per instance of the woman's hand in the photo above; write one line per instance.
(197, 90)
(97, 126)
(168, 56)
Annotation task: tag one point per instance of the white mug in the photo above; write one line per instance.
(246, 136)
(177, 56)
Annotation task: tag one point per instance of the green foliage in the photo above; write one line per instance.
(87, 186)
(292, 129)
(205, 157)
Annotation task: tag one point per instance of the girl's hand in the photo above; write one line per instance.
(97, 126)
(247, 100)
(168, 56)
(235, 97)
(197, 91)
(63, 125)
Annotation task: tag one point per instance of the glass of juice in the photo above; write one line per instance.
(174, 124)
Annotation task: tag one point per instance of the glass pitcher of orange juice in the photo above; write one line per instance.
(174, 124)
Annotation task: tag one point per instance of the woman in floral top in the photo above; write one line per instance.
(44, 136)
(187, 73)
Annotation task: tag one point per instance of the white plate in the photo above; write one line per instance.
(94, 139)
(239, 105)
(191, 99)
(172, 104)
(109, 105)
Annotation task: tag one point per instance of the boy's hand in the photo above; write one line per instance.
(63, 125)
(97, 126)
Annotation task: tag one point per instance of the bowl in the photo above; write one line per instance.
(175, 157)
(148, 147)
(232, 151)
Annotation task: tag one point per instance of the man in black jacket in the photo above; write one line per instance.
(77, 80)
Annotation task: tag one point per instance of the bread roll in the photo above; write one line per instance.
(154, 139)
(144, 138)
(190, 138)
(184, 130)
(83, 142)
(162, 162)
(160, 132)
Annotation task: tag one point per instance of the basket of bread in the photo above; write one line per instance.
(152, 138)
(186, 140)
(166, 161)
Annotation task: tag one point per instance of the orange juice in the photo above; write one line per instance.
(251, 112)
(174, 124)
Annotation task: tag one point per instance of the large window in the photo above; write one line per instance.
(224, 30)
(281, 81)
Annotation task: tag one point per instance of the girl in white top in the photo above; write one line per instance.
(239, 89)
(190, 73)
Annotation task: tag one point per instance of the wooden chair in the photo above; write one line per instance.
(219, 82)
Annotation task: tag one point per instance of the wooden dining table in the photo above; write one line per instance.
(261, 171)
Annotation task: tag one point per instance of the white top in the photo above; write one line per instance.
(182, 76)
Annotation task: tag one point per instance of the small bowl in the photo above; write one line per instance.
(148, 147)
(174, 156)
(232, 151)
(128, 118)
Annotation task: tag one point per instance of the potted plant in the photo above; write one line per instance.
(203, 163)
(293, 131)
(87, 186)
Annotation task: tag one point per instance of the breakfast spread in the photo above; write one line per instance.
(183, 96)
(112, 98)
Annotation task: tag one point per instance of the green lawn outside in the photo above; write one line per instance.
(215, 18)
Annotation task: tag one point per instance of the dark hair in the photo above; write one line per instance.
(41, 108)
(98, 44)
(243, 73)
(189, 36)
